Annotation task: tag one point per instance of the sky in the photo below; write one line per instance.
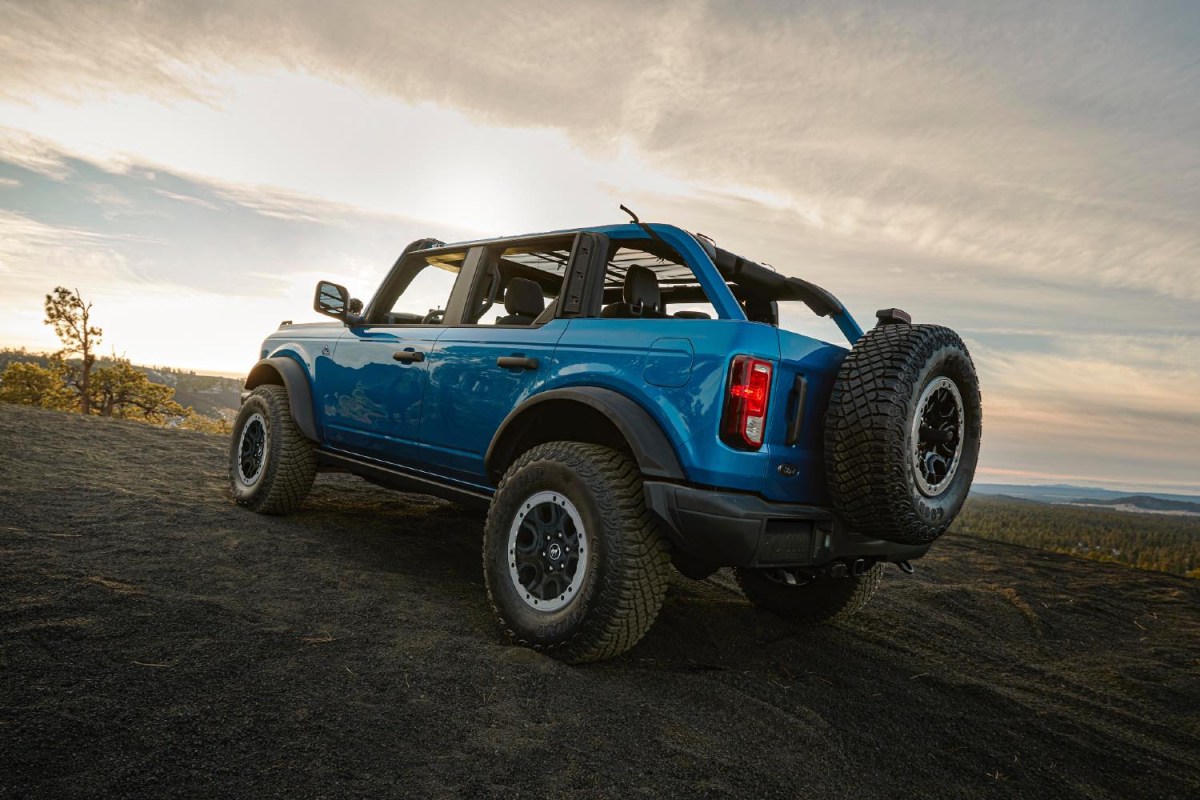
(1026, 173)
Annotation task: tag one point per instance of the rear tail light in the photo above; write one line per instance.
(745, 419)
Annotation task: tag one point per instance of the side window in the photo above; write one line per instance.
(420, 290)
(519, 284)
(648, 280)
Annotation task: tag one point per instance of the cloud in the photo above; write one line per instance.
(27, 151)
(982, 135)
(1027, 174)
(182, 271)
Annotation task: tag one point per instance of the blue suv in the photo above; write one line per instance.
(623, 399)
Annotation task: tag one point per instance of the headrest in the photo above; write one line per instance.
(524, 297)
(762, 309)
(641, 288)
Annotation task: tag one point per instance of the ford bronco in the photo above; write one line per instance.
(623, 398)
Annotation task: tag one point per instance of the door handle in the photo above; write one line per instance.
(517, 362)
(408, 356)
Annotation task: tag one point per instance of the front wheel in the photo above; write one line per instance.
(271, 464)
(809, 601)
(575, 565)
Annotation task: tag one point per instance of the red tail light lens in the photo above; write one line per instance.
(745, 419)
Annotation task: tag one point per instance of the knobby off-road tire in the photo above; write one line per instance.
(274, 474)
(816, 602)
(575, 565)
(893, 428)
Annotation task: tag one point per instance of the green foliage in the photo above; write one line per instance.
(198, 422)
(74, 379)
(71, 317)
(1149, 541)
(35, 385)
(124, 391)
(117, 389)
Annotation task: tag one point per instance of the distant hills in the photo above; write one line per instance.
(1066, 493)
(1156, 539)
(1143, 503)
(210, 395)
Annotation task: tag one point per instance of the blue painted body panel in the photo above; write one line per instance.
(373, 403)
(469, 395)
(438, 416)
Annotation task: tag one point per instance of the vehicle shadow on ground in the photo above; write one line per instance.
(703, 624)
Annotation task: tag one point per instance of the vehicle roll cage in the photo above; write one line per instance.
(756, 281)
(748, 280)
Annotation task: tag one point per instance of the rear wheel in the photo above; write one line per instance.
(809, 601)
(271, 464)
(574, 563)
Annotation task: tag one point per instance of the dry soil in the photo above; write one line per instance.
(157, 641)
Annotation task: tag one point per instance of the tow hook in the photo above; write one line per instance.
(905, 567)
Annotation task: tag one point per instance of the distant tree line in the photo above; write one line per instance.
(72, 379)
(1159, 542)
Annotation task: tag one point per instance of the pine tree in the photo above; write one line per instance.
(71, 316)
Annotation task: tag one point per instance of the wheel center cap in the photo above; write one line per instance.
(554, 551)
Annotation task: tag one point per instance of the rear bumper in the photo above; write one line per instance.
(733, 529)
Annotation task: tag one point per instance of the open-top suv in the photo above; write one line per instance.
(623, 398)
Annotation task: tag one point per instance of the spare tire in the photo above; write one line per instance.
(902, 432)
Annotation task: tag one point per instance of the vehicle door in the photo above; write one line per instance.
(377, 384)
(502, 351)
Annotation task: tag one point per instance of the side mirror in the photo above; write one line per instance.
(332, 300)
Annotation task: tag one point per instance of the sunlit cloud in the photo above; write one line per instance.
(1030, 178)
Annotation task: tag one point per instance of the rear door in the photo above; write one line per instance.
(494, 359)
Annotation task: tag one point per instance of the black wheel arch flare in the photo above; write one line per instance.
(288, 372)
(655, 456)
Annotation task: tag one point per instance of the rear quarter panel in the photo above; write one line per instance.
(613, 354)
(802, 478)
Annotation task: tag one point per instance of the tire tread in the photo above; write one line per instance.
(866, 431)
(628, 604)
(291, 459)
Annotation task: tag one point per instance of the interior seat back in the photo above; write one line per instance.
(640, 296)
(523, 300)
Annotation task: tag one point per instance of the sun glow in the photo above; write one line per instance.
(321, 138)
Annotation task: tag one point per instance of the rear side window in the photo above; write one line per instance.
(649, 280)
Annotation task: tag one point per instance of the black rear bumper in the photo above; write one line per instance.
(732, 529)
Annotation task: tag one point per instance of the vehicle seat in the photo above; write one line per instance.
(640, 296)
(761, 309)
(686, 314)
(523, 301)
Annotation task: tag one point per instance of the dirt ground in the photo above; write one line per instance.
(158, 641)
